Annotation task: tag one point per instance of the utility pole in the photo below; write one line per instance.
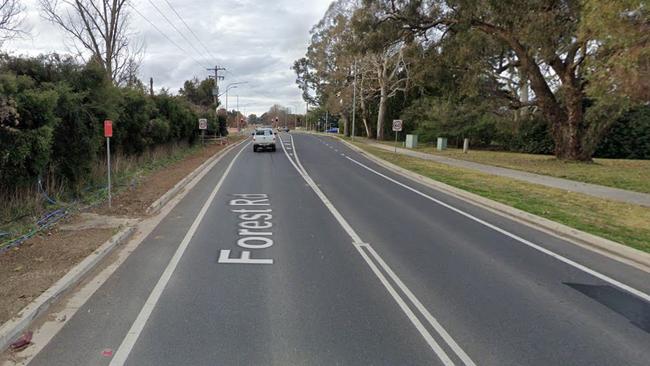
(327, 120)
(217, 77)
(354, 97)
(151, 86)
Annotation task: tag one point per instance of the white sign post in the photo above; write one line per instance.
(397, 127)
(108, 133)
(203, 125)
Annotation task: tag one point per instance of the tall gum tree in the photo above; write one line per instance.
(548, 45)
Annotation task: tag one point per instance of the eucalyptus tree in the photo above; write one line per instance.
(556, 47)
(343, 47)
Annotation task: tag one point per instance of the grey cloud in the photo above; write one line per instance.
(256, 40)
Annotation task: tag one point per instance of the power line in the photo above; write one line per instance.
(166, 36)
(191, 31)
(173, 26)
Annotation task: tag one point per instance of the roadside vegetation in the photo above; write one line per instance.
(563, 78)
(52, 149)
(623, 223)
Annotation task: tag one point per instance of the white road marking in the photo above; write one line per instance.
(360, 246)
(125, 348)
(559, 257)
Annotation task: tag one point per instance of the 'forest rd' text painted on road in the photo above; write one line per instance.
(254, 232)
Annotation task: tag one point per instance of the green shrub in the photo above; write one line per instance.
(76, 137)
(629, 136)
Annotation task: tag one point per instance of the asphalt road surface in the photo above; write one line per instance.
(313, 255)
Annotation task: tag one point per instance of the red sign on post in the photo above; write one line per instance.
(108, 128)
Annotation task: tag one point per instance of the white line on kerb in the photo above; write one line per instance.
(559, 257)
(360, 246)
(138, 325)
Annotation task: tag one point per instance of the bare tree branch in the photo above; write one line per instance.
(101, 27)
(10, 19)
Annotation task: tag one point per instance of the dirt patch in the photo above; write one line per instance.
(30, 269)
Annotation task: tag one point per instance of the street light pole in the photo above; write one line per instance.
(231, 86)
(327, 120)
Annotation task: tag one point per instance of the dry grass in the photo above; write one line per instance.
(22, 207)
(620, 222)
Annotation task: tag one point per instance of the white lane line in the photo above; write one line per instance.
(138, 325)
(559, 257)
(359, 245)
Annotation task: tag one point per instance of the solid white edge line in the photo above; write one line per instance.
(359, 244)
(133, 334)
(537, 247)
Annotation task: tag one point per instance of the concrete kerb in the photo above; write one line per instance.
(609, 248)
(160, 202)
(15, 326)
(10, 330)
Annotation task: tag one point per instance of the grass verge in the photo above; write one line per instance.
(633, 175)
(623, 223)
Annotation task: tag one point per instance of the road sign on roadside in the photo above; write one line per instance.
(108, 133)
(203, 124)
(397, 125)
(108, 128)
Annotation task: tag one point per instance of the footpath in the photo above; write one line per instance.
(614, 194)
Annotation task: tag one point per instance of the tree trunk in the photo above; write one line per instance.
(381, 114)
(567, 132)
(346, 123)
(364, 112)
(566, 117)
(367, 126)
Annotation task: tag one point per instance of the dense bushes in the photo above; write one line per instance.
(488, 126)
(51, 115)
(629, 136)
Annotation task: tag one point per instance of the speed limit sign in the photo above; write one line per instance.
(397, 125)
(203, 124)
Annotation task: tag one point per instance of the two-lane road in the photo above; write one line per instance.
(313, 255)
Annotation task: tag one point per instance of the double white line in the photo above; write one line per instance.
(382, 270)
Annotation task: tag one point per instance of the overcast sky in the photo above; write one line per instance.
(256, 40)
